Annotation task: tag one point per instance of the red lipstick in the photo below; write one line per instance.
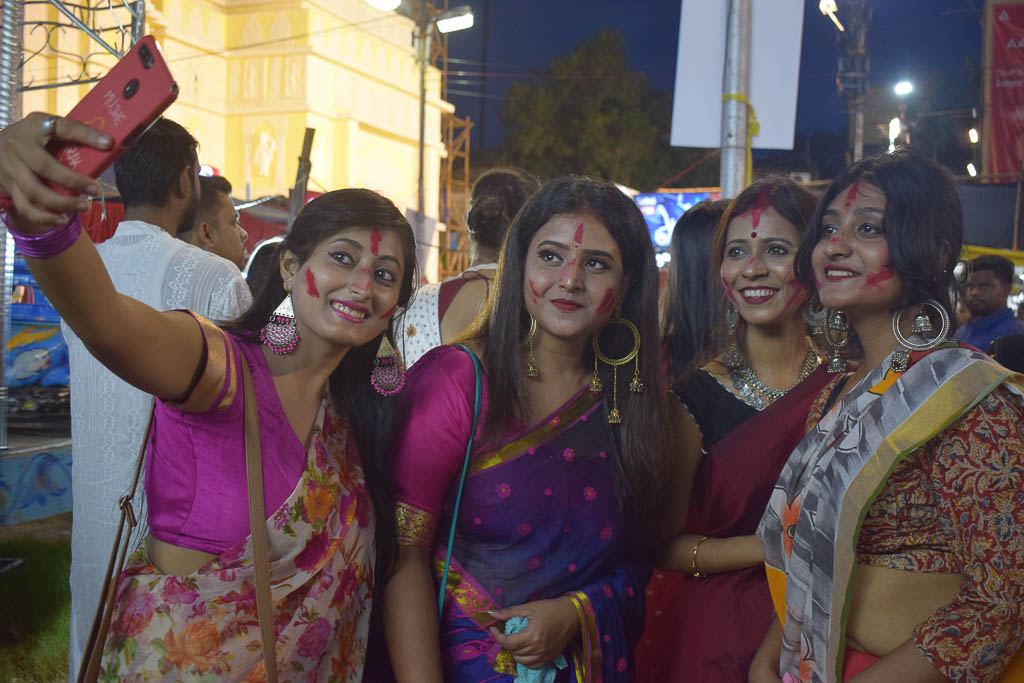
(566, 304)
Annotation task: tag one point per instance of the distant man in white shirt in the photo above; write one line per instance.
(158, 180)
(217, 228)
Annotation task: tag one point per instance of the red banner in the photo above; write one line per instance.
(1006, 133)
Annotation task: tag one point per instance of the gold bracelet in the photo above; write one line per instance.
(693, 562)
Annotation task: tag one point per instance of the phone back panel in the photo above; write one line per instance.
(123, 104)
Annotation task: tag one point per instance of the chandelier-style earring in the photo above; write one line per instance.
(636, 386)
(732, 319)
(388, 374)
(922, 325)
(280, 334)
(837, 324)
(531, 366)
(815, 316)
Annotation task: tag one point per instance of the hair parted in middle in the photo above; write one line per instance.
(368, 413)
(504, 322)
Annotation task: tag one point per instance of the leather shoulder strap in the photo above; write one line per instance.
(258, 526)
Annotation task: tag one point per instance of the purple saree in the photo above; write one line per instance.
(539, 519)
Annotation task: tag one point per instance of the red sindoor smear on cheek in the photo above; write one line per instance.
(799, 292)
(375, 238)
(875, 280)
(851, 194)
(389, 312)
(606, 302)
(578, 237)
(728, 290)
(311, 285)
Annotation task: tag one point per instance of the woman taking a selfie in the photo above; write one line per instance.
(186, 605)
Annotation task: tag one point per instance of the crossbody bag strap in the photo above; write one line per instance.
(258, 527)
(462, 478)
(89, 668)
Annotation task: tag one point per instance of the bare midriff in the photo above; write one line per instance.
(174, 560)
(886, 605)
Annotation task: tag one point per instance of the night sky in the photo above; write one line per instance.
(907, 38)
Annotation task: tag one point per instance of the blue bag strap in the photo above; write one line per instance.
(462, 478)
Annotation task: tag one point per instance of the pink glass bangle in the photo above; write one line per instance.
(47, 244)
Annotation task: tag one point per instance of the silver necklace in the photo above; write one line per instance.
(753, 390)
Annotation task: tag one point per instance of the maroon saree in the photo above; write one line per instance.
(708, 629)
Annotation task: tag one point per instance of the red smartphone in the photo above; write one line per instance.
(123, 104)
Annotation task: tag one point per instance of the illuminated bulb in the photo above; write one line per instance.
(972, 135)
(903, 88)
(971, 171)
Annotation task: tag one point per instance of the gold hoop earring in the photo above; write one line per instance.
(531, 367)
(635, 386)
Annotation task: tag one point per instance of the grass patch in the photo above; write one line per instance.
(35, 599)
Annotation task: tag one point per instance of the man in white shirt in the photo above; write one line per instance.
(158, 180)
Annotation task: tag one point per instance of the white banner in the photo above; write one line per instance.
(776, 32)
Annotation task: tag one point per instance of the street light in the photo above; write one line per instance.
(455, 19)
(829, 9)
(971, 171)
(903, 88)
(972, 135)
(895, 128)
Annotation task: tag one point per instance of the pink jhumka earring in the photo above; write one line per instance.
(388, 375)
(280, 334)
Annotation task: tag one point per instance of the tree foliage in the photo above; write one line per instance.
(590, 114)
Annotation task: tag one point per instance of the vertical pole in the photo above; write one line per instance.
(735, 81)
(138, 11)
(11, 23)
(858, 128)
(483, 68)
(424, 57)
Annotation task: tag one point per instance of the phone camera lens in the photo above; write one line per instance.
(131, 88)
(146, 56)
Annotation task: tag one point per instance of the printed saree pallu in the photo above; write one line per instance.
(204, 626)
(539, 519)
(813, 521)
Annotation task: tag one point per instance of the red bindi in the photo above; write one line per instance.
(753, 235)
(607, 302)
(375, 238)
(578, 237)
(875, 280)
(389, 312)
(311, 284)
(851, 194)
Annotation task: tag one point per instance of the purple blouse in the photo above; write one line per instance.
(195, 465)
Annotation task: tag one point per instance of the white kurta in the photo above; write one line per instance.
(108, 416)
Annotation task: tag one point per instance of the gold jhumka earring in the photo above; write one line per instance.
(635, 386)
(531, 367)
